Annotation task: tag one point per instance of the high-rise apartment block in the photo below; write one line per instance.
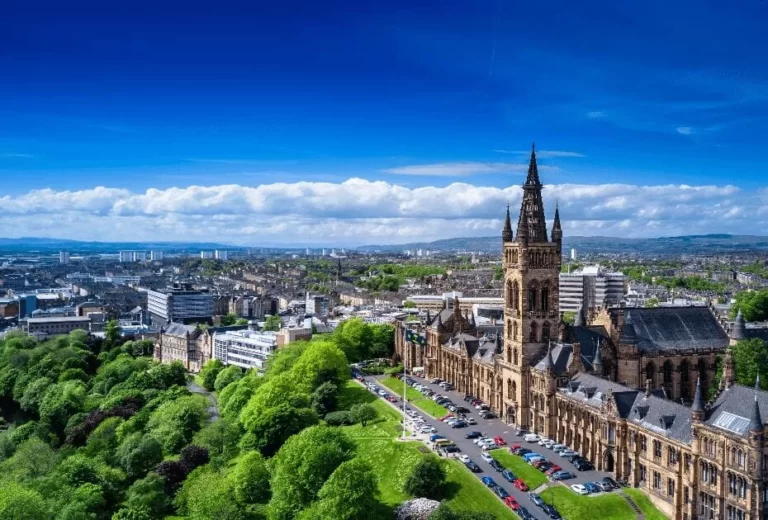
(221, 255)
(63, 257)
(180, 303)
(591, 287)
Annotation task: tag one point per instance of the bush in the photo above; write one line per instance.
(363, 412)
(426, 480)
(341, 418)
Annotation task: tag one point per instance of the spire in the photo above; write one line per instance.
(597, 362)
(548, 363)
(506, 233)
(531, 226)
(755, 420)
(472, 320)
(698, 399)
(429, 317)
(439, 321)
(579, 320)
(557, 231)
(739, 328)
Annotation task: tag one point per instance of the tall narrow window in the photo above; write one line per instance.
(532, 299)
(534, 334)
(545, 299)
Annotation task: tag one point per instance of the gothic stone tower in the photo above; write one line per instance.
(531, 263)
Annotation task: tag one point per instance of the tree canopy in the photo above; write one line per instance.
(752, 304)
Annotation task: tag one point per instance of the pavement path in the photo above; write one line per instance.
(213, 409)
(493, 428)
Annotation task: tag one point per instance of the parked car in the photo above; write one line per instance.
(581, 490)
(522, 486)
(464, 458)
(583, 465)
(500, 441)
(462, 409)
(523, 452)
(473, 435)
(433, 438)
(511, 503)
(459, 424)
(549, 444)
(531, 455)
(531, 437)
(525, 514)
(490, 446)
(508, 475)
(500, 492)
(521, 432)
(553, 469)
(486, 457)
(562, 475)
(604, 486)
(551, 511)
(536, 499)
(471, 420)
(556, 447)
(592, 487)
(474, 468)
(495, 465)
(488, 481)
(451, 449)
(612, 482)
(487, 414)
(543, 440)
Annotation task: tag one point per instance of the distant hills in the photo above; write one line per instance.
(51, 245)
(664, 245)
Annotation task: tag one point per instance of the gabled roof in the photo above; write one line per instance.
(662, 416)
(672, 328)
(179, 329)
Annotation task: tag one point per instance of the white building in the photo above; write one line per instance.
(206, 255)
(574, 255)
(179, 304)
(591, 286)
(317, 305)
(221, 255)
(244, 348)
(63, 257)
(156, 255)
(133, 256)
(126, 256)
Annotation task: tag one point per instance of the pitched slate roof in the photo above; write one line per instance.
(672, 328)
(662, 416)
(179, 329)
(733, 408)
(591, 390)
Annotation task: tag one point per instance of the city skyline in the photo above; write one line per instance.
(381, 125)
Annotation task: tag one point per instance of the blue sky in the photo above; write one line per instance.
(416, 96)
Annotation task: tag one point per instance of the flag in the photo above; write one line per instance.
(415, 338)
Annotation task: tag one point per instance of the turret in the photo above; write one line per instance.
(579, 320)
(549, 364)
(506, 233)
(597, 362)
(531, 226)
(729, 373)
(697, 408)
(557, 231)
(738, 330)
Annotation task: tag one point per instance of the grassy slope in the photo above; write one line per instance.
(415, 397)
(393, 461)
(530, 475)
(574, 507)
(644, 503)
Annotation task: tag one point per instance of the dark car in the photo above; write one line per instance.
(473, 435)
(462, 409)
(508, 475)
(521, 432)
(583, 465)
(488, 481)
(611, 482)
(573, 457)
(523, 451)
(474, 468)
(451, 449)
(500, 492)
(459, 424)
(592, 487)
(468, 398)
(495, 465)
(551, 511)
(525, 514)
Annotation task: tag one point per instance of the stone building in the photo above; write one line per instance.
(190, 344)
(623, 386)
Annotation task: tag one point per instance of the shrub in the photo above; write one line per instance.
(339, 418)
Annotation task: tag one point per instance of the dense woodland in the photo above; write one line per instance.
(98, 430)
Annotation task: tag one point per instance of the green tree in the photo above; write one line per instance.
(148, 493)
(250, 479)
(229, 319)
(20, 503)
(409, 304)
(60, 402)
(273, 323)
(750, 357)
(32, 459)
(752, 304)
(569, 317)
(427, 479)
(272, 427)
(139, 512)
(314, 454)
(111, 334)
(363, 412)
(349, 494)
(220, 438)
(322, 361)
(210, 372)
(175, 422)
(650, 303)
(227, 376)
(206, 494)
(138, 454)
(325, 398)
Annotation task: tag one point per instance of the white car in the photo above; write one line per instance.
(581, 490)
(486, 457)
(471, 421)
(531, 437)
(490, 446)
(482, 440)
(556, 447)
(549, 444)
(464, 458)
(543, 441)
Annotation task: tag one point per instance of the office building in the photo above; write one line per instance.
(56, 325)
(221, 255)
(317, 305)
(63, 257)
(592, 287)
(244, 348)
(180, 303)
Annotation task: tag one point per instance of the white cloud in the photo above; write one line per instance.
(17, 155)
(684, 130)
(543, 153)
(359, 211)
(456, 169)
(596, 114)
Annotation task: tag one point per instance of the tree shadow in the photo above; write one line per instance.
(381, 511)
(449, 490)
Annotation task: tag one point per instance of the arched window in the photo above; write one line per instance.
(509, 355)
(514, 256)
(514, 355)
(514, 329)
(545, 297)
(534, 333)
(532, 298)
(515, 295)
(685, 381)
(510, 294)
(513, 393)
(545, 332)
(510, 329)
(650, 373)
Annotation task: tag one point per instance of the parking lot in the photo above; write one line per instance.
(493, 428)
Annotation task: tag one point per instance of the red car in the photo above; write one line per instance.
(445, 417)
(553, 469)
(511, 503)
(500, 441)
(538, 463)
(519, 484)
(514, 448)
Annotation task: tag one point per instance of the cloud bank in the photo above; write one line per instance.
(358, 211)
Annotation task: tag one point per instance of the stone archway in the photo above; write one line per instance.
(511, 415)
(608, 461)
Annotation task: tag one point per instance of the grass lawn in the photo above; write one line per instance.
(644, 503)
(415, 397)
(530, 475)
(393, 461)
(609, 506)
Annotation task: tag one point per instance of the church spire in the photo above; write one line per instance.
(506, 233)
(557, 231)
(531, 227)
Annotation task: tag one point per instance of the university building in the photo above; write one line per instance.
(623, 386)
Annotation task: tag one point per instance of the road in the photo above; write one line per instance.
(213, 409)
(493, 428)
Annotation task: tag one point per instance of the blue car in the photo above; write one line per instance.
(592, 487)
(508, 475)
(562, 475)
(488, 481)
(500, 492)
(436, 436)
(529, 456)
